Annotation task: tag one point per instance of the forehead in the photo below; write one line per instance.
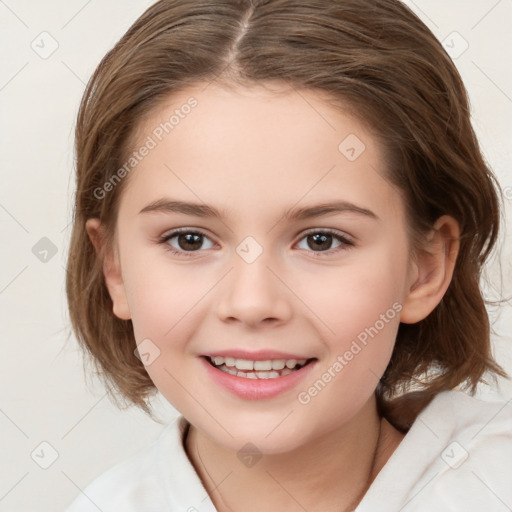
(263, 145)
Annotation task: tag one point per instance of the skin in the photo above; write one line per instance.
(254, 153)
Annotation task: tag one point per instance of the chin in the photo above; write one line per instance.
(268, 433)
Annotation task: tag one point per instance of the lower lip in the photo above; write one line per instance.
(257, 389)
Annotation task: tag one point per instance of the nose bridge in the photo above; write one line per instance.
(252, 292)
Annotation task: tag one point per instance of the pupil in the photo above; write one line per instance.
(323, 240)
(193, 240)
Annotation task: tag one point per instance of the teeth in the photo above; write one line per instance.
(269, 364)
(248, 375)
(278, 364)
(269, 369)
(244, 364)
(263, 365)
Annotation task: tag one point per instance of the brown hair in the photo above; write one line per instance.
(377, 57)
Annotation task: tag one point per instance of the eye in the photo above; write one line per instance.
(186, 241)
(322, 240)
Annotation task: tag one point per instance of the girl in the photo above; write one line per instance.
(282, 214)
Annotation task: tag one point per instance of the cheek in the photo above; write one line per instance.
(365, 327)
(354, 297)
(360, 313)
(161, 294)
(166, 305)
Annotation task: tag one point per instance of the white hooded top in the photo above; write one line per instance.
(457, 456)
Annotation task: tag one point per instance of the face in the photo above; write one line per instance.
(260, 233)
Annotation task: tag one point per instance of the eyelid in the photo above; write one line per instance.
(345, 240)
(329, 231)
(164, 239)
(176, 231)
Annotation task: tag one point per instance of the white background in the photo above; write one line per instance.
(43, 393)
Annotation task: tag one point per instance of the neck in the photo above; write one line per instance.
(329, 473)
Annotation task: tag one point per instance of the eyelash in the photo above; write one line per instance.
(345, 242)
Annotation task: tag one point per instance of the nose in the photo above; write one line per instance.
(254, 294)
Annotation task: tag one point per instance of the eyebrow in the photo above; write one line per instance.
(203, 210)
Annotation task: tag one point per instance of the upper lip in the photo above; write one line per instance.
(257, 355)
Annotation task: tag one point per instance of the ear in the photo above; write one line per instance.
(431, 271)
(111, 268)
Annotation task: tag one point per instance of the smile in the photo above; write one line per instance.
(267, 369)
(261, 375)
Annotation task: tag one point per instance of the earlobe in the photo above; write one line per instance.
(432, 271)
(111, 268)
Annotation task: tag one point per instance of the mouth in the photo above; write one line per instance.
(258, 369)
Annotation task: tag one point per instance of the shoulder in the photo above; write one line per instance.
(456, 456)
(136, 483)
(457, 412)
(471, 468)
